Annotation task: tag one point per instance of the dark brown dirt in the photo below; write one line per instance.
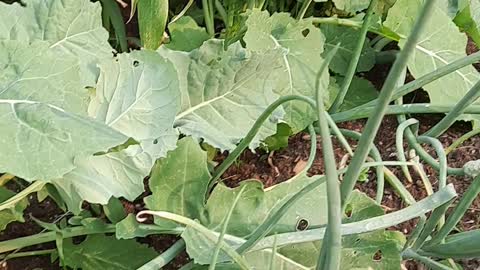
(46, 211)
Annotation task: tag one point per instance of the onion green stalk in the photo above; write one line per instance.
(467, 199)
(424, 80)
(164, 258)
(471, 96)
(410, 254)
(375, 154)
(330, 253)
(459, 141)
(352, 67)
(386, 95)
(417, 108)
(218, 246)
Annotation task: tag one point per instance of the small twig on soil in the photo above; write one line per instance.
(123, 4)
(270, 162)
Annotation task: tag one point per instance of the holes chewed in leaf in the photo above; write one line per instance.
(377, 256)
(305, 32)
(155, 141)
(302, 225)
(136, 63)
(348, 210)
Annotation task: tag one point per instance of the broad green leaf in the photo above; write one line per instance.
(152, 20)
(137, 94)
(224, 91)
(357, 250)
(114, 210)
(106, 252)
(179, 182)
(440, 43)
(200, 248)
(360, 92)
(14, 213)
(112, 12)
(35, 76)
(186, 35)
(35, 72)
(256, 204)
(348, 39)
(129, 228)
(468, 19)
(97, 178)
(280, 139)
(303, 44)
(70, 26)
(41, 141)
(351, 6)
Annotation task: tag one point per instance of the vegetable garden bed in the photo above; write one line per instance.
(130, 152)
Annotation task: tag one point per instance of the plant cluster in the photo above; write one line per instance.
(84, 123)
